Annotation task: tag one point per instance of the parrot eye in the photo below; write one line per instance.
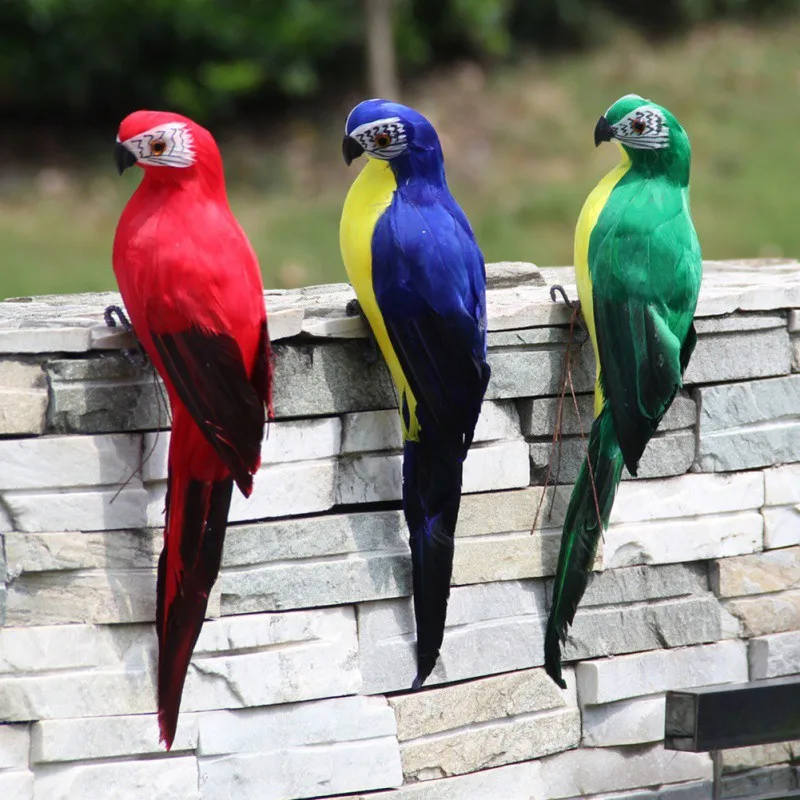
(638, 126)
(382, 139)
(158, 147)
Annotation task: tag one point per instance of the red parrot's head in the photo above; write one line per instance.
(164, 143)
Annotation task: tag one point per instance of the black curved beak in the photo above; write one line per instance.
(123, 157)
(603, 132)
(351, 149)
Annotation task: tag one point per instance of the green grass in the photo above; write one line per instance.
(518, 144)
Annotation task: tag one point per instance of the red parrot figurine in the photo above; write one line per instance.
(192, 287)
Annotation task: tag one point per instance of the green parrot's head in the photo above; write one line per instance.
(648, 132)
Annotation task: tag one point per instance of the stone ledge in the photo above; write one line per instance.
(58, 740)
(607, 680)
(761, 573)
(519, 738)
(159, 779)
(15, 741)
(256, 660)
(16, 784)
(624, 722)
(462, 705)
(299, 750)
(775, 655)
(272, 705)
(491, 628)
(573, 774)
(769, 613)
(609, 631)
(518, 297)
(668, 454)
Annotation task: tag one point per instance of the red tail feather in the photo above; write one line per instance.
(196, 519)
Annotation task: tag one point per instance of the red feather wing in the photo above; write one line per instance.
(209, 376)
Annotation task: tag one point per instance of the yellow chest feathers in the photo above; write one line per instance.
(369, 197)
(590, 213)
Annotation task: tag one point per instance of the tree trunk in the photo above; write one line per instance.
(380, 50)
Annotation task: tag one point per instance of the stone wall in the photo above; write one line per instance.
(299, 683)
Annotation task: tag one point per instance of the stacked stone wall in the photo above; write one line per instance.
(299, 683)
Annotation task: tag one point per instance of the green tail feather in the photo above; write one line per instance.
(581, 535)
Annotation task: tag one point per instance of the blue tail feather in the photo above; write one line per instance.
(432, 470)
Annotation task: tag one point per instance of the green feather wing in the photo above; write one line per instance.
(645, 266)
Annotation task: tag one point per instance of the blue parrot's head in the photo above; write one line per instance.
(386, 131)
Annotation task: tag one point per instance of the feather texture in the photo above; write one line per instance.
(210, 378)
(639, 268)
(419, 274)
(192, 287)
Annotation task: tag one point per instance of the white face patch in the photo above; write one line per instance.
(643, 129)
(169, 145)
(383, 138)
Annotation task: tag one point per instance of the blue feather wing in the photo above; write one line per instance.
(430, 285)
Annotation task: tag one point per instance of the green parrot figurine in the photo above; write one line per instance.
(638, 268)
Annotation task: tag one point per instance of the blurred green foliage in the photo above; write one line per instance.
(92, 60)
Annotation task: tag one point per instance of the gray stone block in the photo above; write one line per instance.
(382, 574)
(631, 629)
(159, 779)
(749, 425)
(575, 774)
(508, 557)
(529, 362)
(739, 356)
(339, 558)
(65, 740)
(376, 478)
(336, 745)
(319, 582)
(625, 722)
(694, 790)
(78, 550)
(732, 405)
(587, 771)
(636, 584)
(774, 656)
(288, 540)
(329, 378)
(491, 744)
(95, 395)
(667, 455)
(17, 784)
(23, 398)
(491, 628)
(680, 539)
(758, 782)
(739, 321)
(538, 415)
(795, 340)
(740, 759)
(461, 705)
(95, 596)
(80, 510)
(508, 274)
(610, 679)
(104, 394)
